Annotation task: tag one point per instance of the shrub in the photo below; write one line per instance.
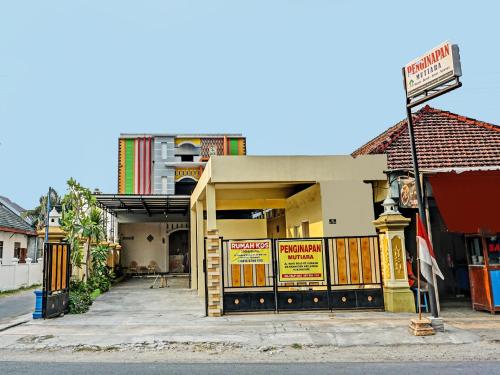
(79, 297)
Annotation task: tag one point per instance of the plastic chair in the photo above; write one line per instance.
(424, 304)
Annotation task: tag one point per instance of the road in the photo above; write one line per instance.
(442, 368)
(16, 305)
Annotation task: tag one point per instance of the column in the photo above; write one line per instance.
(390, 225)
(214, 279)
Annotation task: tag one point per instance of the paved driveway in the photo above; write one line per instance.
(132, 315)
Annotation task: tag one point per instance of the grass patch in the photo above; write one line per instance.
(20, 290)
(296, 346)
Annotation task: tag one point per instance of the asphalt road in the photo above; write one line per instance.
(427, 368)
(15, 305)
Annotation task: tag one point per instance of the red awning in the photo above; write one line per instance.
(469, 202)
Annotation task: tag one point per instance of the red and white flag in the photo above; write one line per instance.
(428, 264)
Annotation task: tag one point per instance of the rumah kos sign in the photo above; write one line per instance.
(435, 68)
(250, 252)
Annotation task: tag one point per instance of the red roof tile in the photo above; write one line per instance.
(443, 140)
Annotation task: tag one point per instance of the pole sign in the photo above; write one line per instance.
(435, 68)
(250, 252)
(300, 260)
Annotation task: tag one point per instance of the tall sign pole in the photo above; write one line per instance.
(427, 77)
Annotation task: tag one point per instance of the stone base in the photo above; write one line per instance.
(421, 327)
(437, 324)
(399, 300)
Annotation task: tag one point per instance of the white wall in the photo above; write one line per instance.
(8, 239)
(140, 249)
(14, 276)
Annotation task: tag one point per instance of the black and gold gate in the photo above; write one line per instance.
(56, 274)
(301, 274)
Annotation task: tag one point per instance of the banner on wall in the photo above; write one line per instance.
(407, 193)
(249, 252)
(300, 260)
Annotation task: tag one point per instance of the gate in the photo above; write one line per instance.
(56, 274)
(324, 273)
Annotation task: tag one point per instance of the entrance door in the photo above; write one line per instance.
(178, 252)
(56, 274)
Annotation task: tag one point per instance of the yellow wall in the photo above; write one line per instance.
(305, 206)
(273, 225)
(350, 203)
(234, 229)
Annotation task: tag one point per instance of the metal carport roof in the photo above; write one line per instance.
(149, 204)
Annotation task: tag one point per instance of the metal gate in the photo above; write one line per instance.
(56, 274)
(301, 274)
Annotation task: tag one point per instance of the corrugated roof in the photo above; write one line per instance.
(443, 140)
(9, 220)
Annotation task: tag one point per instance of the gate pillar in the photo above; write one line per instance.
(214, 273)
(397, 294)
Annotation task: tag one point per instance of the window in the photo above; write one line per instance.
(17, 249)
(187, 158)
(1, 249)
(164, 150)
(164, 185)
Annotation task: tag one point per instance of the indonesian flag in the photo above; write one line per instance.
(428, 264)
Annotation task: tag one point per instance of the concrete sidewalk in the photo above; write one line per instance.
(132, 315)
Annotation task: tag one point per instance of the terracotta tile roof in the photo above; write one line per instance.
(443, 139)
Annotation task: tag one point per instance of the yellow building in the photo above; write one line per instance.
(315, 198)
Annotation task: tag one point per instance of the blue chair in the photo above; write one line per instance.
(423, 299)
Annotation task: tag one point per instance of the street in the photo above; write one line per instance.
(442, 368)
(16, 305)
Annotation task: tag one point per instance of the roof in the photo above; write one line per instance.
(11, 222)
(12, 205)
(147, 204)
(184, 135)
(443, 140)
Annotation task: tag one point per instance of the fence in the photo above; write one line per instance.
(301, 274)
(17, 275)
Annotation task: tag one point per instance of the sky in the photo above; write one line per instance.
(304, 77)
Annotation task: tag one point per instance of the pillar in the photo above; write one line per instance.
(200, 247)
(390, 225)
(214, 271)
(193, 249)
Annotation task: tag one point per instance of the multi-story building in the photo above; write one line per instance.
(168, 163)
(150, 213)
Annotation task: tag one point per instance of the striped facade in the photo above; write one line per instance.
(134, 166)
(154, 164)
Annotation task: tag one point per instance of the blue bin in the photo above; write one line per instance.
(38, 305)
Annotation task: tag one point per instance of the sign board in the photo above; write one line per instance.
(407, 193)
(435, 68)
(249, 252)
(300, 260)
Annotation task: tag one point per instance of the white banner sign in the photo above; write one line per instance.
(438, 66)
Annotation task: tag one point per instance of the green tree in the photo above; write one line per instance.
(38, 215)
(81, 219)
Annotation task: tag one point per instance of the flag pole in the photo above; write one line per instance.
(418, 277)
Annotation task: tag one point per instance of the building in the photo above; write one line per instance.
(18, 263)
(262, 203)
(17, 235)
(150, 213)
(167, 163)
(459, 159)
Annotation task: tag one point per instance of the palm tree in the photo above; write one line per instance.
(38, 215)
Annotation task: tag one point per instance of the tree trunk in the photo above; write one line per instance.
(87, 261)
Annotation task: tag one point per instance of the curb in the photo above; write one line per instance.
(16, 322)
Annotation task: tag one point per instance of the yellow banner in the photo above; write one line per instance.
(300, 260)
(250, 252)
